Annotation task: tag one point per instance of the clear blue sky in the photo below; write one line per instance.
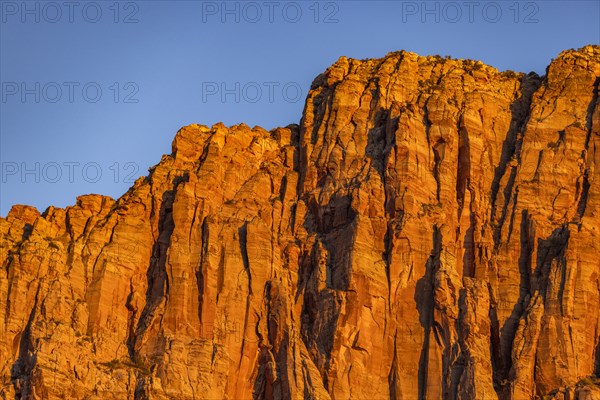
(175, 57)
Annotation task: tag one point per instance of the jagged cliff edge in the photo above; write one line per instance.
(430, 229)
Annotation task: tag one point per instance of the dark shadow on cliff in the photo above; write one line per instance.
(585, 186)
(158, 285)
(22, 370)
(324, 274)
(381, 140)
(424, 300)
(501, 343)
(502, 337)
(551, 261)
(511, 149)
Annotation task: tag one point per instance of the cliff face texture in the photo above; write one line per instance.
(430, 230)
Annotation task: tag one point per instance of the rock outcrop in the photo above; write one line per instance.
(430, 230)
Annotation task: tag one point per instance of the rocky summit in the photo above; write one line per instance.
(429, 230)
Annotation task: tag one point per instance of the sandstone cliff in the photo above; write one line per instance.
(430, 230)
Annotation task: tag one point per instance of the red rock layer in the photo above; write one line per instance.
(430, 230)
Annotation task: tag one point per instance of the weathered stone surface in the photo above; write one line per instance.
(430, 229)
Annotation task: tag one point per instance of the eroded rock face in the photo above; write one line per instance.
(430, 230)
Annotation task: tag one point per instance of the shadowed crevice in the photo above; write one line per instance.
(589, 122)
(393, 381)
(23, 367)
(158, 285)
(502, 336)
(582, 204)
(200, 274)
(551, 261)
(243, 242)
(424, 299)
(439, 150)
(157, 292)
(511, 150)
(502, 365)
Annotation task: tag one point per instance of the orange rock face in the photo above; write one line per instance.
(430, 230)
